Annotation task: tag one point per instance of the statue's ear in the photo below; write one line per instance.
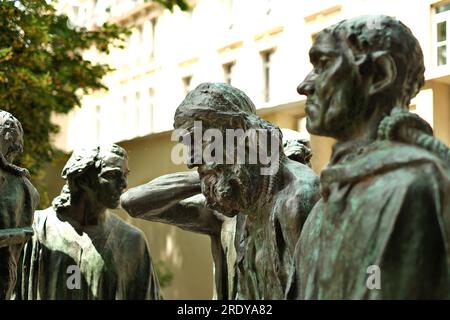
(384, 71)
(82, 181)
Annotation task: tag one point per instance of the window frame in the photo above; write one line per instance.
(436, 19)
(267, 67)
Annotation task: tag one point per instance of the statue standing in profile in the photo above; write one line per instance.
(18, 200)
(382, 227)
(80, 250)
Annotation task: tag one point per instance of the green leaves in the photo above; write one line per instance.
(42, 70)
(5, 54)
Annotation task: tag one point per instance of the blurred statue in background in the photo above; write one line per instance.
(18, 200)
(176, 199)
(382, 227)
(81, 250)
(270, 196)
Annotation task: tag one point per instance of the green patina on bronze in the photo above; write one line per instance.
(79, 230)
(19, 199)
(254, 220)
(385, 193)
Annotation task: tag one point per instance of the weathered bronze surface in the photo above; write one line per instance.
(260, 215)
(79, 231)
(176, 199)
(386, 191)
(18, 200)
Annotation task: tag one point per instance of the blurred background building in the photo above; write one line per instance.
(259, 46)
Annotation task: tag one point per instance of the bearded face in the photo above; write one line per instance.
(11, 140)
(228, 188)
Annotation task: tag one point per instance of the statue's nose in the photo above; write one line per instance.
(307, 86)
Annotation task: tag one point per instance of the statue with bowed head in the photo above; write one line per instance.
(253, 219)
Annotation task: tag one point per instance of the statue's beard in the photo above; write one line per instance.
(229, 191)
(13, 151)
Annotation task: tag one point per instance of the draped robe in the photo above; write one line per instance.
(385, 205)
(112, 256)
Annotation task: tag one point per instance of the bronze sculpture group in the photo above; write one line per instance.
(382, 203)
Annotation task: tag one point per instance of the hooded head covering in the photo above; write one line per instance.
(213, 101)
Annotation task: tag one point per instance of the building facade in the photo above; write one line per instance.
(259, 46)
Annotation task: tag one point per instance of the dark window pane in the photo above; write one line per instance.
(442, 31)
(442, 8)
(442, 55)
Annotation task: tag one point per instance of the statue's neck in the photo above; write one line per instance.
(85, 210)
(264, 198)
(361, 135)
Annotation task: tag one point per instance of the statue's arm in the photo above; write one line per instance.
(174, 199)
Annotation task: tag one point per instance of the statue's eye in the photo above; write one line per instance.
(323, 63)
(110, 175)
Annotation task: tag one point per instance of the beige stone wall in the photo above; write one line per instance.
(441, 111)
(187, 255)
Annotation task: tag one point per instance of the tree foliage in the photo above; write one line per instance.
(42, 69)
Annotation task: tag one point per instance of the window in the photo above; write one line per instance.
(228, 72)
(441, 43)
(98, 122)
(187, 84)
(229, 13)
(153, 22)
(268, 7)
(150, 107)
(137, 112)
(266, 63)
(141, 34)
(139, 42)
(75, 12)
(441, 30)
(125, 115)
(443, 8)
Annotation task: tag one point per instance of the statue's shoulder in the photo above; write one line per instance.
(388, 153)
(298, 195)
(32, 191)
(388, 157)
(381, 158)
(303, 181)
(121, 228)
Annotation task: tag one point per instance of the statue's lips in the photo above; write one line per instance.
(311, 108)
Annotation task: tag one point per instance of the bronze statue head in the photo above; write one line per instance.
(11, 136)
(295, 147)
(363, 67)
(99, 174)
(229, 184)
